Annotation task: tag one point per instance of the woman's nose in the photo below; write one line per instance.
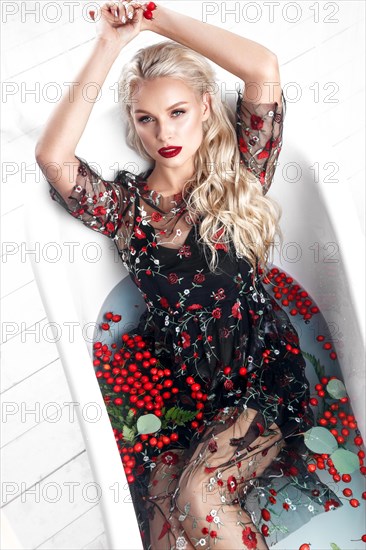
(164, 132)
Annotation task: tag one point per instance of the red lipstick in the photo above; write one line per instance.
(169, 151)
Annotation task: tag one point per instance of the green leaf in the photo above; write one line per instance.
(148, 423)
(334, 546)
(346, 462)
(318, 367)
(320, 440)
(336, 388)
(128, 434)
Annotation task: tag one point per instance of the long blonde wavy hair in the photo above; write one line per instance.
(229, 199)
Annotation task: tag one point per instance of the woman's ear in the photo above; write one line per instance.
(206, 102)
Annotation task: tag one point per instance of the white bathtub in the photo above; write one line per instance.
(319, 225)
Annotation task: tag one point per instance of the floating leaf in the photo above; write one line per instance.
(346, 462)
(318, 367)
(148, 424)
(336, 388)
(128, 433)
(320, 440)
(334, 546)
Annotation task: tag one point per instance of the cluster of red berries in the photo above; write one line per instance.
(340, 425)
(149, 8)
(136, 383)
(296, 298)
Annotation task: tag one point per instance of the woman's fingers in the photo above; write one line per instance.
(127, 9)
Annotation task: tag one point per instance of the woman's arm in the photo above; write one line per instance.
(55, 149)
(242, 57)
(67, 122)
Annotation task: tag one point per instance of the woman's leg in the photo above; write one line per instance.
(163, 484)
(210, 501)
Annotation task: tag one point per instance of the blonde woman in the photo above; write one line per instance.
(195, 232)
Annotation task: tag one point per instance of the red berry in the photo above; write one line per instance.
(148, 15)
(266, 515)
(354, 502)
(305, 547)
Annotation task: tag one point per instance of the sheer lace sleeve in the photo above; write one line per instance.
(259, 128)
(98, 203)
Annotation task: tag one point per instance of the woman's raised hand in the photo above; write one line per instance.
(119, 22)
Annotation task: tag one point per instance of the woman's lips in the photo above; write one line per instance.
(169, 151)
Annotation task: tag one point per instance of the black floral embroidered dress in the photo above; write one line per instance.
(226, 341)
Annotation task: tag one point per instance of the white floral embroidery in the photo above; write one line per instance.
(181, 543)
(216, 519)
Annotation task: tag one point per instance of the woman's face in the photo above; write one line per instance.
(167, 113)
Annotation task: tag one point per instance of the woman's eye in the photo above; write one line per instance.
(143, 118)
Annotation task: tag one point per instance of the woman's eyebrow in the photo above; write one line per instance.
(168, 109)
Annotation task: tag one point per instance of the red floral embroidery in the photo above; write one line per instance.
(173, 278)
(156, 216)
(139, 233)
(243, 145)
(256, 122)
(331, 504)
(249, 538)
(193, 307)
(99, 211)
(164, 302)
(199, 278)
(228, 385)
(235, 310)
(186, 339)
(170, 458)
(110, 226)
(216, 313)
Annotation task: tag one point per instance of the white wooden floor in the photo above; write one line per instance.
(41, 458)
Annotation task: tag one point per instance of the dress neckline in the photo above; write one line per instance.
(145, 187)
